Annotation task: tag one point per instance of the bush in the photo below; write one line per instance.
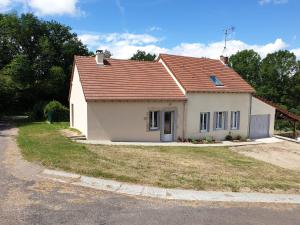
(54, 111)
(229, 137)
(38, 111)
(239, 137)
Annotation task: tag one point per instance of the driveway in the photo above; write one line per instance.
(284, 154)
(28, 198)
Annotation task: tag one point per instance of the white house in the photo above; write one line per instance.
(175, 96)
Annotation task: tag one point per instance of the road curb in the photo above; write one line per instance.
(167, 193)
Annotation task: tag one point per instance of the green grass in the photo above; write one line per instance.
(213, 168)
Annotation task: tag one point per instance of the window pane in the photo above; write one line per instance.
(155, 119)
(168, 123)
(150, 119)
(220, 119)
(216, 81)
(234, 122)
(204, 121)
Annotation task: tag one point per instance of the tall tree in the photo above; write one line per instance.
(247, 64)
(36, 59)
(143, 56)
(277, 71)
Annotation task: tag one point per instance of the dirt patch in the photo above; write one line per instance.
(69, 133)
(14, 162)
(284, 154)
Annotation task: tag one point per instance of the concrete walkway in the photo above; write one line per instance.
(165, 193)
(176, 144)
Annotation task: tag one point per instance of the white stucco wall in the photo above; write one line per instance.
(79, 103)
(261, 108)
(213, 102)
(128, 121)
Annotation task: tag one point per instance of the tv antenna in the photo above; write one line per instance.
(227, 32)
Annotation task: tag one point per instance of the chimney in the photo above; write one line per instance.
(224, 59)
(100, 57)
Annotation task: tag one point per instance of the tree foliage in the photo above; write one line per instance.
(247, 63)
(143, 56)
(276, 77)
(36, 59)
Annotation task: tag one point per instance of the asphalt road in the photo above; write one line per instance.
(26, 198)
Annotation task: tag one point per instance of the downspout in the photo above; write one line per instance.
(184, 120)
(249, 124)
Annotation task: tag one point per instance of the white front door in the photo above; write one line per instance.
(168, 126)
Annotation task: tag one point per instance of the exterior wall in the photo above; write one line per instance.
(128, 121)
(259, 108)
(80, 106)
(213, 102)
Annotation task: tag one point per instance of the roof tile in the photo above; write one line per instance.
(126, 80)
(194, 74)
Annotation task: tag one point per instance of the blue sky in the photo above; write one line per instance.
(189, 27)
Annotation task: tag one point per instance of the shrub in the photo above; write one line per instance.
(207, 140)
(179, 139)
(229, 137)
(54, 111)
(38, 111)
(239, 137)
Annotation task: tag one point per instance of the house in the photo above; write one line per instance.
(174, 96)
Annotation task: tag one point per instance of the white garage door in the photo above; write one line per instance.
(259, 126)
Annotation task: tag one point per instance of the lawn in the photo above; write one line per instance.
(212, 168)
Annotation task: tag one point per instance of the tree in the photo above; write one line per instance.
(142, 56)
(277, 71)
(36, 56)
(107, 54)
(294, 92)
(247, 64)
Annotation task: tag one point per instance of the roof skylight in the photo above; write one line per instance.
(216, 81)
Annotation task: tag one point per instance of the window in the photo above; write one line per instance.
(235, 120)
(220, 121)
(154, 120)
(216, 81)
(204, 122)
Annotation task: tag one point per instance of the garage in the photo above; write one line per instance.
(259, 126)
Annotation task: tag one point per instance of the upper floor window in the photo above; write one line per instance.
(216, 81)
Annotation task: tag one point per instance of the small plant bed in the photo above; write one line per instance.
(207, 140)
(207, 168)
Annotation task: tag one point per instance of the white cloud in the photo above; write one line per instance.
(5, 5)
(154, 28)
(120, 7)
(124, 45)
(276, 2)
(90, 39)
(44, 7)
(296, 51)
(54, 7)
(214, 50)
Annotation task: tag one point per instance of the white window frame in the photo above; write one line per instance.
(152, 120)
(222, 120)
(203, 116)
(235, 120)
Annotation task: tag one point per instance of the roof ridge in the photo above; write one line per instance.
(129, 60)
(186, 56)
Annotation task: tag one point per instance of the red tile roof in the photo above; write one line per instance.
(194, 74)
(126, 80)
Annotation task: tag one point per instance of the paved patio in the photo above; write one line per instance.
(222, 144)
